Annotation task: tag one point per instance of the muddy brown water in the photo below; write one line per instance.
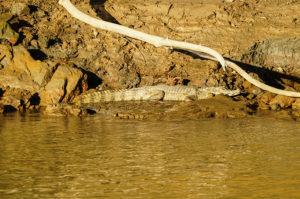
(95, 157)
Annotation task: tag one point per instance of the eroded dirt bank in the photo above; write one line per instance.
(55, 57)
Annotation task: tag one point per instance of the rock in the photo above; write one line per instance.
(281, 53)
(267, 97)
(63, 83)
(7, 109)
(10, 101)
(296, 114)
(6, 55)
(251, 88)
(20, 8)
(20, 70)
(296, 86)
(6, 16)
(34, 43)
(6, 32)
(281, 101)
(43, 41)
(52, 83)
(246, 85)
(39, 71)
(63, 110)
(40, 13)
(296, 104)
(15, 80)
(263, 106)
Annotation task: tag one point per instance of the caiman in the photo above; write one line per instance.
(160, 92)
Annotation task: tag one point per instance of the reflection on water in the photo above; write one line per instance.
(56, 157)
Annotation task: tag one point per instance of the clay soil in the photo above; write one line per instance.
(242, 30)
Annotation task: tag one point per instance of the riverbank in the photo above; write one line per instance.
(47, 57)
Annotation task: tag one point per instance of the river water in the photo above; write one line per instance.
(96, 157)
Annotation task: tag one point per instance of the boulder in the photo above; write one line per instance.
(22, 77)
(281, 53)
(64, 82)
(38, 71)
(296, 104)
(267, 97)
(20, 70)
(6, 32)
(280, 101)
(10, 101)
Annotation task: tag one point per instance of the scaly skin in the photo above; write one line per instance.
(161, 92)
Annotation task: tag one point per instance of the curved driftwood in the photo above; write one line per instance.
(159, 41)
